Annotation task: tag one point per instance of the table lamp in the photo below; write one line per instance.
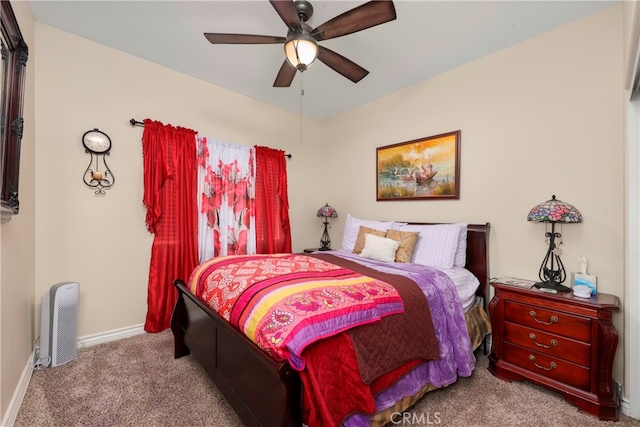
(326, 212)
(552, 272)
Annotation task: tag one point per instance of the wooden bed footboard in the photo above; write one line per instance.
(261, 391)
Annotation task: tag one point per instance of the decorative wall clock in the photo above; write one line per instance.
(98, 175)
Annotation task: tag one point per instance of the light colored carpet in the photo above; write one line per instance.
(136, 382)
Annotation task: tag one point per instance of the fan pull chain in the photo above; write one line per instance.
(301, 95)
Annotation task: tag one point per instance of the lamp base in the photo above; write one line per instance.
(550, 285)
(324, 249)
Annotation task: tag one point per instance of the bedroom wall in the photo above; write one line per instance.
(17, 244)
(101, 241)
(543, 117)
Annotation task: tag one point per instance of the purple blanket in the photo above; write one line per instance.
(456, 353)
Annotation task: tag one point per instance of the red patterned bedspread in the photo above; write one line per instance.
(286, 302)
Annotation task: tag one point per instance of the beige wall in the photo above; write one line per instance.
(101, 241)
(544, 117)
(540, 118)
(17, 243)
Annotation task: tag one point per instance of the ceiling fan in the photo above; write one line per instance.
(301, 43)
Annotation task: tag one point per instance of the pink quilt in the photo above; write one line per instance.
(285, 302)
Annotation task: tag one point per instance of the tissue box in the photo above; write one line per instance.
(585, 280)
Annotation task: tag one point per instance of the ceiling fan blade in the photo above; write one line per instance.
(359, 18)
(285, 75)
(342, 65)
(219, 38)
(287, 12)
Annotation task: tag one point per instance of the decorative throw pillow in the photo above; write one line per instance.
(352, 227)
(379, 248)
(407, 240)
(357, 249)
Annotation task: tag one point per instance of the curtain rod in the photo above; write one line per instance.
(135, 122)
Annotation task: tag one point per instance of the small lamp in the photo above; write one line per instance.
(326, 212)
(552, 272)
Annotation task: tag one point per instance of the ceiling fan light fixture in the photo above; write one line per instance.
(301, 42)
(301, 50)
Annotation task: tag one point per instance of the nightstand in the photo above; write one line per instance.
(309, 250)
(558, 341)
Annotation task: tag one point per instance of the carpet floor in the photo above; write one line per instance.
(136, 382)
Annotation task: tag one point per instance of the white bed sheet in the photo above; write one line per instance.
(466, 283)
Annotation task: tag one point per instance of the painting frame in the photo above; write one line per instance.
(15, 54)
(409, 170)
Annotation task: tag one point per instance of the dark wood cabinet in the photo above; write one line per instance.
(558, 341)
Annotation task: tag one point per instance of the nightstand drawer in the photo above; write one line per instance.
(575, 327)
(553, 345)
(548, 366)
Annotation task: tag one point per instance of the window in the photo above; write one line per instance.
(14, 60)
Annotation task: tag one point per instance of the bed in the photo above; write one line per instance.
(265, 390)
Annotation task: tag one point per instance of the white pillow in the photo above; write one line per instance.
(379, 248)
(352, 227)
(437, 245)
(461, 253)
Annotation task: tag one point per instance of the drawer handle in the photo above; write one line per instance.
(553, 342)
(552, 365)
(533, 314)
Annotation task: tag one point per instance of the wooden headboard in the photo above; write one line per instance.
(477, 254)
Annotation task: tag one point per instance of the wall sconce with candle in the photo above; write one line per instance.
(97, 175)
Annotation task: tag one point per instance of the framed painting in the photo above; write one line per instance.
(425, 168)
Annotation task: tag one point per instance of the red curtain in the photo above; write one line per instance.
(273, 232)
(170, 187)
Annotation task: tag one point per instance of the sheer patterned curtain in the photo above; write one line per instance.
(226, 199)
(170, 198)
(273, 232)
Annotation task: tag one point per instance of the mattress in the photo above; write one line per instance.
(466, 286)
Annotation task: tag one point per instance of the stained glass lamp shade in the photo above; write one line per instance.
(326, 212)
(552, 272)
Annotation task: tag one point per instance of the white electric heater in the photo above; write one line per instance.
(59, 324)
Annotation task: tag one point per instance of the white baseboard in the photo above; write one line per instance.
(117, 334)
(18, 395)
(86, 341)
(625, 408)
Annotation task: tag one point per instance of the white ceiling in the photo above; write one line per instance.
(427, 38)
